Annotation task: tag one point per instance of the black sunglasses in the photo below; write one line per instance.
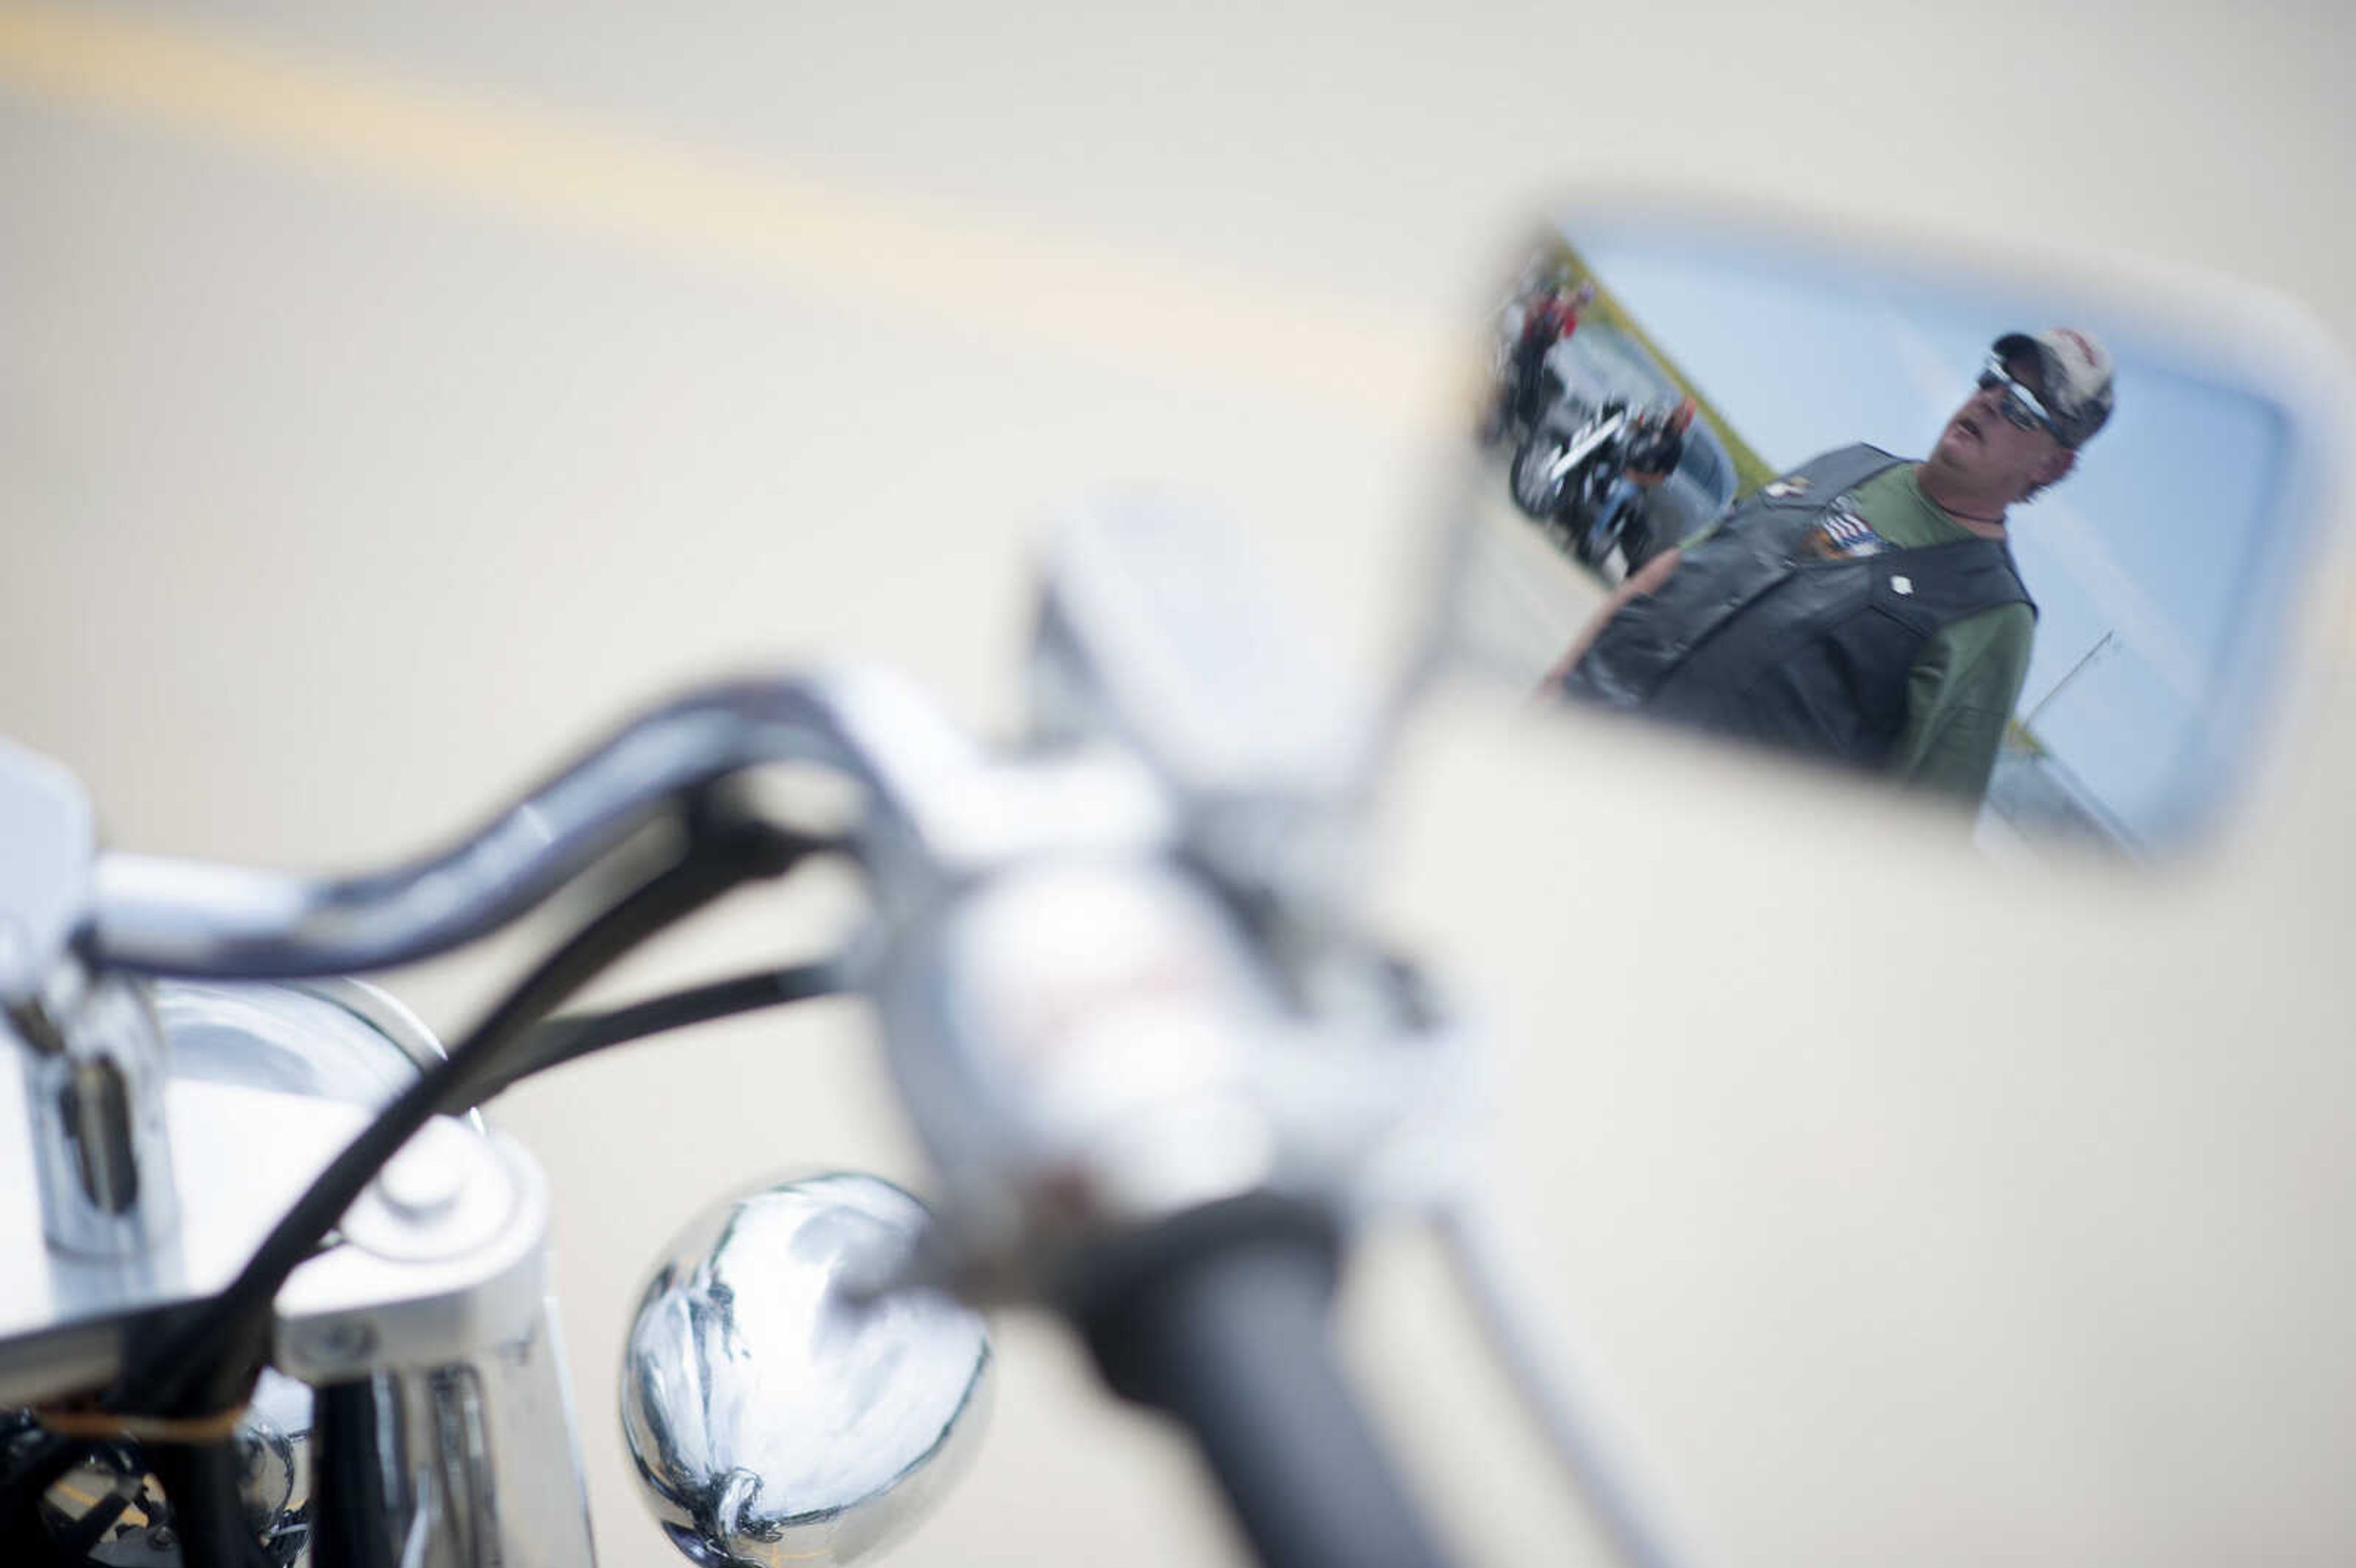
(2019, 404)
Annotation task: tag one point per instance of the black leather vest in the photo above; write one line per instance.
(1757, 635)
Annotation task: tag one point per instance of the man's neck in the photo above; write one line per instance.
(1967, 512)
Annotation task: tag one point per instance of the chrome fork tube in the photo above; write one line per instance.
(471, 1464)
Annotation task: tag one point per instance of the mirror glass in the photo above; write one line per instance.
(2032, 546)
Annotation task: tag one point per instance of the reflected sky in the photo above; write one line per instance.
(2159, 550)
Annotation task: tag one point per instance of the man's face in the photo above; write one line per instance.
(1983, 452)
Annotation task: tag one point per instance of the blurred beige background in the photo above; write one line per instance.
(391, 398)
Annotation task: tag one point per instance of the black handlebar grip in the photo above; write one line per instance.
(1223, 1323)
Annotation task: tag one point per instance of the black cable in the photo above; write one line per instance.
(352, 1519)
(571, 1036)
(77, 1539)
(209, 1363)
(200, 1480)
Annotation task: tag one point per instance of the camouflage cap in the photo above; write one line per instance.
(2076, 378)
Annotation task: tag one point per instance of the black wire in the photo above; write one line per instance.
(209, 1363)
(78, 1538)
(351, 1518)
(571, 1036)
(200, 1480)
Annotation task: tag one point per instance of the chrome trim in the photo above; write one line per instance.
(478, 1459)
(381, 1011)
(250, 1129)
(779, 1409)
(444, 1253)
(97, 1126)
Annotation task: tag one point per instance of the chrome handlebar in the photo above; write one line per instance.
(934, 802)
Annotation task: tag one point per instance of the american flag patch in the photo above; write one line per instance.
(1842, 534)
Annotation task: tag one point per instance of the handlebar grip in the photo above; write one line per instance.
(1225, 1328)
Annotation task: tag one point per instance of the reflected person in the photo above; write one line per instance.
(1548, 317)
(1862, 609)
(1654, 449)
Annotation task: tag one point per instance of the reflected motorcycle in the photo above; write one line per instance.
(1566, 476)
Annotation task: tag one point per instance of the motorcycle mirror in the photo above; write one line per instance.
(778, 1409)
(2041, 541)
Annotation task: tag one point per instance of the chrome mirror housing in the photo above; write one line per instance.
(778, 1411)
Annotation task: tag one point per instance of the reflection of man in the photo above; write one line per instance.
(1862, 608)
(1654, 453)
(1548, 320)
